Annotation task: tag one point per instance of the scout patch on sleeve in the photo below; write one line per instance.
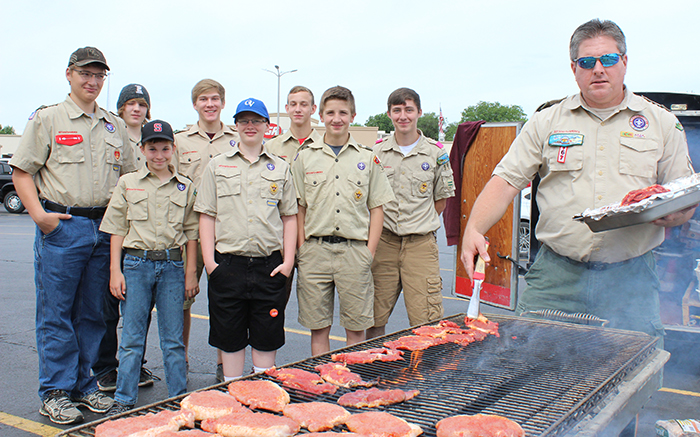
(273, 188)
(377, 161)
(679, 126)
(443, 159)
(565, 140)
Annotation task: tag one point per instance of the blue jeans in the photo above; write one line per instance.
(164, 282)
(71, 273)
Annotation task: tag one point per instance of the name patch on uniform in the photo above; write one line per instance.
(181, 186)
(443, 159)
(272, 202)
(639, 122)
(565, 140)
(69, 139)
(561, 156)
(270, 166)
(361, 165)
(626, 134)
(425, 166)
(110, 127)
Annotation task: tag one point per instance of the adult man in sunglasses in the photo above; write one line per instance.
(589, 150)
(65, 169)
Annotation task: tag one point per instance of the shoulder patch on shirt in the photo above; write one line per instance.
(377, 161)
(679, 126)
(546, 105)
(443, 159)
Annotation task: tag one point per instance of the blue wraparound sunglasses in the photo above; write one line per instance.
(588, 62)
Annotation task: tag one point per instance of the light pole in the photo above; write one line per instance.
(279, 75)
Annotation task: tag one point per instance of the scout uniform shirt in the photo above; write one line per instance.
(140, 157)
(150, 214)
(418, 179)
(194, 149)
(286, 146)
(588, 163)
(248, 200)
(76, 159)
(338, 191)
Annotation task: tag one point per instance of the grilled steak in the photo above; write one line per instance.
(380, 424)
(146, 426)
(211, 404)
(414, 342)
(259, 394)
(368, 356)
(316, 416)
(375, 397)
(478, 425)
(251, 424)
(440, 330)
(482, 324)
(302, 380)
(338, 374)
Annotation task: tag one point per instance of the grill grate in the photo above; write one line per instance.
(544, 375)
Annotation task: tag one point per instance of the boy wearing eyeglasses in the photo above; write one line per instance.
(589, 150)
(248, 230)
(66, 167)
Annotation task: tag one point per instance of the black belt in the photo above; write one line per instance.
(174, 254)
(331, 239)
(95, 212)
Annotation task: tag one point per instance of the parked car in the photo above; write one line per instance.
(8, 195)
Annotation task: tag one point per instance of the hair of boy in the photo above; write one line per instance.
(120, 111)
(337, 93)
(300, 89)
(205, 85)
(400, 96)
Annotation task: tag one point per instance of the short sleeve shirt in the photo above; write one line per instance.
(76, 159)
(150, 214)
(585, 162)
(248, 201)
(338, 191)
(286, 146)
(194, 149)
(418, 179)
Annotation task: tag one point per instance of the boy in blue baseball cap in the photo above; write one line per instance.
(248, 232)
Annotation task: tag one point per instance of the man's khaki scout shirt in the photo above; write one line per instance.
(584, 163)
(338, 191)
(194, 149)
(286, 146)
(76, 160)
(150, 214)
(418, 179)
(248, 200)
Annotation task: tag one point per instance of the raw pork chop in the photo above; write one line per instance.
(375, 397)
(482, 324)
(145, 426)
(259, 394)
(368, 356)
(316, 416)
(478, 425)
(414, 342)
(211, 404)
(251, 424)
(380, 424)
(441, 330)
(339, 374)
(302, 380)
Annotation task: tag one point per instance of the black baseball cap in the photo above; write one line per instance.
(87, 55)
(157, 130)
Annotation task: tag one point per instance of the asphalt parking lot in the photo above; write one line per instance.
(19, 404)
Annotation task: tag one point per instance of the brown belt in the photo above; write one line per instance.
(174, 254)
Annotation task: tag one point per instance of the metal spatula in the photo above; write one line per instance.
(479, 275)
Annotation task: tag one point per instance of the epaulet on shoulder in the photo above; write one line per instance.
(44, 107)
(366, 147)
(116, 115)
(179, 131)
(381, 140)
(549, 103)
(435, 143)
(655, 103)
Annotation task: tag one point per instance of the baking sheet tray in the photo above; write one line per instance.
(657, 209)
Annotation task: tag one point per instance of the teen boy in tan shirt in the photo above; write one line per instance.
(300, 107)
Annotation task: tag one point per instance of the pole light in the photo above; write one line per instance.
(279, 75)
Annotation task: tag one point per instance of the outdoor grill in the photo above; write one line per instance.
(545, 375)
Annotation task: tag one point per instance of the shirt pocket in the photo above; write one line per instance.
(188, 161)
(137, 202)
(272, 185)
(178, 202)
(564, 158)
(70, 154)
(313, 183)
(422, 184)
(228, 182)
(638, 157)
(114, 151)
(359, 184)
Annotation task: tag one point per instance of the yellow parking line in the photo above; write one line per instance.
(28, 425)
(680, 392)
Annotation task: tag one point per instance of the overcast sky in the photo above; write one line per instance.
(453, 53)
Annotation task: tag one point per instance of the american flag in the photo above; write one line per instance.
(442, 121)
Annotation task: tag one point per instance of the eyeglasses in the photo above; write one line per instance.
(245, 121)
(87, 75)
(588, 62)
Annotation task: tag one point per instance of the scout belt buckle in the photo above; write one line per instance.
(157, 255)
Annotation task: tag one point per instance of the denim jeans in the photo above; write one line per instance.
(71, 273)
(164, 282)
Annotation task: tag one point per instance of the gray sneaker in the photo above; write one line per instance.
(118, 408)
(108, 382)
(59, 409)
(96, 401)
(146, 378)
(220, 372)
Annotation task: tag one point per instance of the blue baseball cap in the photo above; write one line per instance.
(252, 105)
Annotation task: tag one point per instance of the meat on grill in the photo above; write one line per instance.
(211, 404)
(302, 380)
(316, 416)
(368, 356)
(635, 196)
(333, 434)
(482, 324)
(148, 425)
(469, 336)
(251, 425)
(414, 342)
(380, 424)
(375, 397)
(478, 425)
(259, 394)
(441, 330)
(338, 374)
(188, 433)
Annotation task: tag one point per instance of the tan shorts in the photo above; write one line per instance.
(200, 269)
(410, 263)
(323, 267)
